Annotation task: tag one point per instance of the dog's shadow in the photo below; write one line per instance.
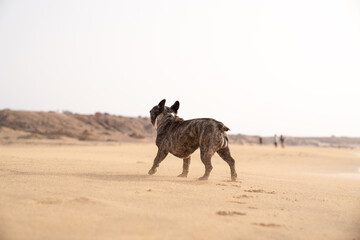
(110, 176)
(137, 178)
(116, 177)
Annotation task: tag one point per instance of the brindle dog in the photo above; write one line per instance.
(182, 138)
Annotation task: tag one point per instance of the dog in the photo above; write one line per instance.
(181, 138)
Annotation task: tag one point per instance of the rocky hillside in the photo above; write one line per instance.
(20, 125)
(52, 125)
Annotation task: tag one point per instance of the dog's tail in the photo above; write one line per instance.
(225, 139)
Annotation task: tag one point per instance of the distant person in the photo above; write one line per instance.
(282, 140)
(260, 140)
(275, 140)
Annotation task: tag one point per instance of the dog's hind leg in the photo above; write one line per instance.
(161, 155)
(225, 154)
(206, 156)
(186, 164)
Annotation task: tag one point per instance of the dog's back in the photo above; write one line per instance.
(184, 137)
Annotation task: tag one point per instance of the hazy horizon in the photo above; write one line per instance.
(260, 67)
(66, 111)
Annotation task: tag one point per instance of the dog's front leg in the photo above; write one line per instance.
(161, 155)
(186, 164)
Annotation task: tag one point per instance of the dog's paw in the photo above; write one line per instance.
(184, 175)
(152, 171)
(234, 177)
(203, 178)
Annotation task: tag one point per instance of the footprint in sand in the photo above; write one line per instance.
(242, 196)
(259, 191)
(225, 185)
(267, 224)
(230, 213)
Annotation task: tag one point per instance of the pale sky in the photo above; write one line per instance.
(260, 67)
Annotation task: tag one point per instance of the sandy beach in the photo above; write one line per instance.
(102, 191)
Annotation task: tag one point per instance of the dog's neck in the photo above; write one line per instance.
(161, 117)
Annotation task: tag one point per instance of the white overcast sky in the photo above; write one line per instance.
(261, 67)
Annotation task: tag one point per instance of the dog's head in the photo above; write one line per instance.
(162, 109)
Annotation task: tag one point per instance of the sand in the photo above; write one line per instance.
(102, 191)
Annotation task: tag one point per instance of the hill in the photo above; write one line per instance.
(26, 125)
(52, 125)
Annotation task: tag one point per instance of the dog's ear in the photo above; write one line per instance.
(162, 105)
(175, 107)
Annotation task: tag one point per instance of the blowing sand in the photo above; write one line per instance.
(103, 192)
